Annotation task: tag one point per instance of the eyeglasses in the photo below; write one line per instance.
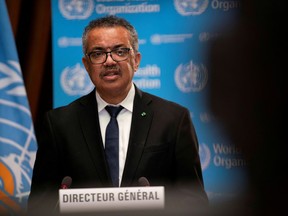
(99, 57)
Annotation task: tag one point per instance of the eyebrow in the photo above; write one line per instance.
(103, 49)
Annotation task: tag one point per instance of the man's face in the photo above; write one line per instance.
(112, 79)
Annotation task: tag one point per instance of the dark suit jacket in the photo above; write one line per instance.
(163, 147)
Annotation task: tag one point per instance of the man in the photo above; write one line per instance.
(157, 139)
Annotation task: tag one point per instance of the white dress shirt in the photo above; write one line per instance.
(124, 119)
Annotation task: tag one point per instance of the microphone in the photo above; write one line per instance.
(66, 182)
(143, 182)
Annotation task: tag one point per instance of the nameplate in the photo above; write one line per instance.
(111, 199)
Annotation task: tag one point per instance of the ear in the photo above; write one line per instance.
(85, 63)
(137, 61)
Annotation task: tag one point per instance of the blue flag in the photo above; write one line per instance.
(17, 139)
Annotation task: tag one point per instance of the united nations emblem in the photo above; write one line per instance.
(76, 9)
(75, 80)
(17, 140)
(190, 7)
(191, 77)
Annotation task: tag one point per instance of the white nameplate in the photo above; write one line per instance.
(111, 199)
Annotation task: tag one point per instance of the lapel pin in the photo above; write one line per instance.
(143, 114)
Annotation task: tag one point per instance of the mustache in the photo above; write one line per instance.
(110, 69)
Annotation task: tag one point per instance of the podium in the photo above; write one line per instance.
(86, 200)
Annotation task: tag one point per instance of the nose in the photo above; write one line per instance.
(109, 59)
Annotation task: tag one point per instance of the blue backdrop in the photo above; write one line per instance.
(174, 38)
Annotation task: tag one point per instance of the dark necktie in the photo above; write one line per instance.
(112, 143)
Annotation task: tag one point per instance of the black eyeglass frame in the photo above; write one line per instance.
(110, 52)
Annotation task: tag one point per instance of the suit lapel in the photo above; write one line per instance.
(141, 121)
(89, 121)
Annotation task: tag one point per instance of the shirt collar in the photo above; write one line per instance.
(127, 103)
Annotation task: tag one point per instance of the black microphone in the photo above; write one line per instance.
(66, 182)
(143, 182)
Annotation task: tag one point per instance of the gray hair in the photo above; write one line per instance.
(110, 21)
